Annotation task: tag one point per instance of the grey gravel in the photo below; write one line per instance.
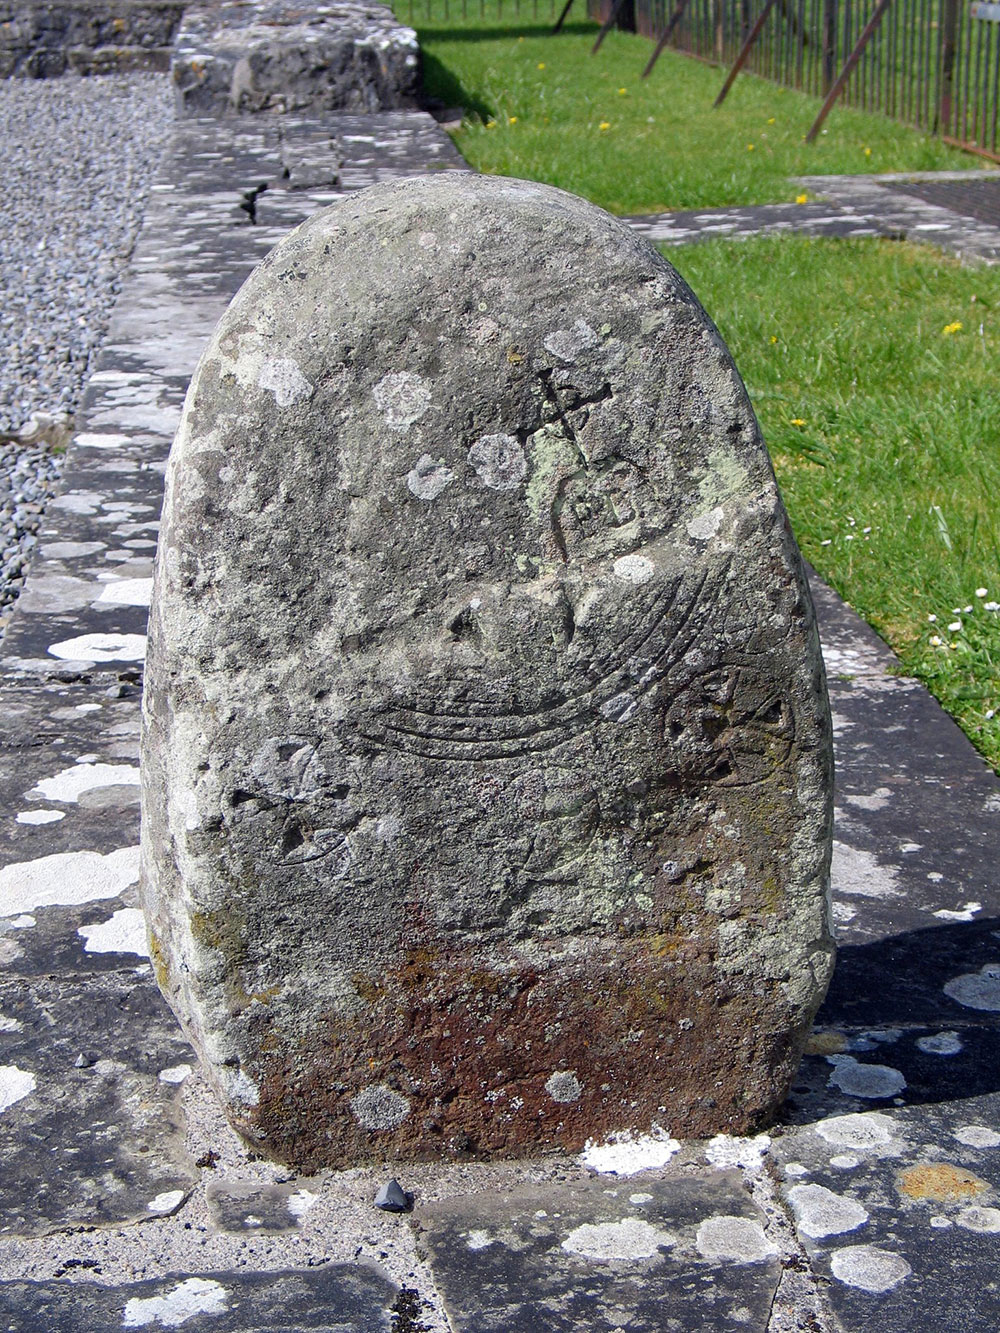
(78, 159)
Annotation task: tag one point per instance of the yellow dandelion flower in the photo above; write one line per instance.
(949, 329)
(491, 124)
(797, 421)
(622, 92)
(774, 338)
(604, 125)
(542, 65)
(868, 152)
(802, 199)
(749, 147)
(512, 120)
(772, 120)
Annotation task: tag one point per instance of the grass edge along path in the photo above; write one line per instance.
(871, 367)
(542, 108)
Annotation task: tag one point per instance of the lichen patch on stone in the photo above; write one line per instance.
(14, 1084)
(379, 1107)
(820, 1212)
(940, 1182)
(195, 1296)
(869, 1268)
(738, 1240)
(630, 1238)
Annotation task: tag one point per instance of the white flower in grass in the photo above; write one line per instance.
(991, 606)
(954, 627)
(932, 618)
(981, 592)
(935, 641)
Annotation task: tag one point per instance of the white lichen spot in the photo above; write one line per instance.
(978, 1218)
(704, 526)
(175, 1074)
(619, 709)
(631, 1238)
(167, 1202)
(70, 783)
(977, 1136)
(819, 1212)
(640, 1198)
(402, 398)
(101, 648)
(563, 1086)
(478, 1240)
(739, 1240)
(977, 990)
(634, 568)
(10, 1024)
(857, 872)
(40, 816)
(499, 462)
(66, 879)
(966, 913)
(625, 1154)
(875, 800)
(941, 1043)
(127, 592)
(725, 1151)
(868, 1268)
(194, 1296)
(379, 1107)
(866, 1131)
(283, 377)
(238, 1086)
(940, 1222)
(14, 1084)
(567, 344)
(427, 478)
(796, 1169)
(124, 932)
(859, 1080)
(845, 1161)
(301, 1201)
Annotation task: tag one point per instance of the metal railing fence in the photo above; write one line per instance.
(932, 64)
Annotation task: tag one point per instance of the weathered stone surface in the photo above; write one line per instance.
(40, 40)
(274, 56)
(649, 1255)
(341, 1297)
(90, 1131)
(486, 755)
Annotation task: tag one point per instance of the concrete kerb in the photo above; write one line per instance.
(125, 1198)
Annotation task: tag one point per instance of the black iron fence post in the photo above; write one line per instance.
(949, 34)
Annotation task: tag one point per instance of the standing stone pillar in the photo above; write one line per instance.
(487, 754)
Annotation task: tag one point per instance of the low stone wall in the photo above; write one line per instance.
(271, 56)
(229, 59)
(44, 40)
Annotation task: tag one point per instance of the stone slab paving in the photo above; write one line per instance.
(958, 211)
(902, 205)
(339, 1299)
(679, 1253)
(122, 1185)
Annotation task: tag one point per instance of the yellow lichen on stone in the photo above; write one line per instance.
(826, 1042)
(940, 1182)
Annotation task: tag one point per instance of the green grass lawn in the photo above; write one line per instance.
(871, 364)
(872, 368)
(541, 107)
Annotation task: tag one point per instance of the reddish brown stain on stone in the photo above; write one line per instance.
(471, 1048)
(940, 1182)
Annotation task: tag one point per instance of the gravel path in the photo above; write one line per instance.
(78, 157)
